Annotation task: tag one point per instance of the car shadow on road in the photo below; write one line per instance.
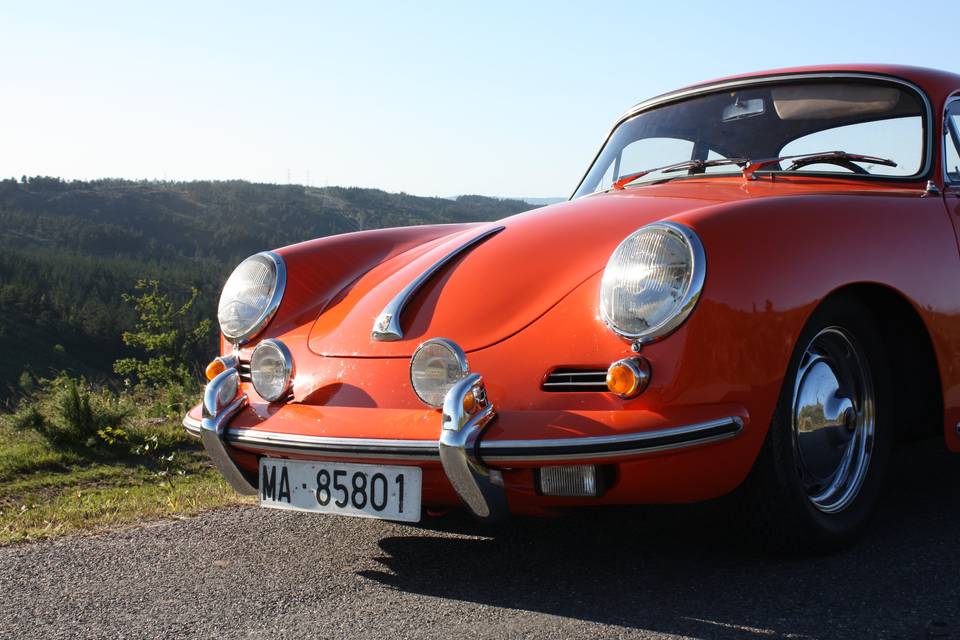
(693, 570)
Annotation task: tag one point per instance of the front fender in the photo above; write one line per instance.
(771, 262)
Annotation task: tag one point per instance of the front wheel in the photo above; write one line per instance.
(819, 475)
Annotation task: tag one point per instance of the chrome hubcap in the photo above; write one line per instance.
(833, 419)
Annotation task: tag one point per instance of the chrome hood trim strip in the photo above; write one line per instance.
(386, 327)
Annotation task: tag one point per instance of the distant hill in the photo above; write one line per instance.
(540, 202)
(71, 249)
(536, 202)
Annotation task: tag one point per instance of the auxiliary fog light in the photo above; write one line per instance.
(435, 367)
(579, 480)
(628, 377)
(271, 370)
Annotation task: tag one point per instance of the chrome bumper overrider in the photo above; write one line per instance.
(479, 486)
(217, 411)
(470, 463)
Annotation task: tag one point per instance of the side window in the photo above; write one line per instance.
(951, 142)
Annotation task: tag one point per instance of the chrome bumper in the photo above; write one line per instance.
(470, 463)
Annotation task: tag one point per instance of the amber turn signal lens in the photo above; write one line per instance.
(470, 402)
(628, 377)
(620, 379)
(215, 368)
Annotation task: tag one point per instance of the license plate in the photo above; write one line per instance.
(362, 490)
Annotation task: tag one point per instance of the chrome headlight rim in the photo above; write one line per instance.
(698, 274)
(459, 355)
(280, 268)
(288, 368)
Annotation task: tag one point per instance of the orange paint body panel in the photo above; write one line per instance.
(525, 302)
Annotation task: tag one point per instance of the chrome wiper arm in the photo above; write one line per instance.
(677, 166)
(802, 159)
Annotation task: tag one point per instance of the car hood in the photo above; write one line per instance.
(505, 282)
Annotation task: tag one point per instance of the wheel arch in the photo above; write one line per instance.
(911, 357)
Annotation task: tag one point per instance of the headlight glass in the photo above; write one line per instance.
(435, 367)
(271, 370)
(652, 281)
(251, 296)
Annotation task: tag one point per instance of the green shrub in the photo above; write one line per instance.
(164, 336)
(70, 413)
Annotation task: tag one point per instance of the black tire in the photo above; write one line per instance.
(781, 506)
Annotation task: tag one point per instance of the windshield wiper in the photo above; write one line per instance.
(678, 166)
(750, 167)
(841, 158)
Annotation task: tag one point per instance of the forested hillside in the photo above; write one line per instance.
(70, 250)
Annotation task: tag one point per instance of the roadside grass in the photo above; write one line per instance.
(48, 490)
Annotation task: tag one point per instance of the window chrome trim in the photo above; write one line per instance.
(386, 327)
(267, 315)
(716, 87)
(952, 101)
(698, 276)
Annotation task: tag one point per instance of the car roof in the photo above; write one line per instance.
(937, 84)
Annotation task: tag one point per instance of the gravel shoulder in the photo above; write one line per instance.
(648, 573)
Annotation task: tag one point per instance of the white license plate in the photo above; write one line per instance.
(362, 490)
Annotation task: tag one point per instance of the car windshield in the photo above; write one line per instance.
(857, 117)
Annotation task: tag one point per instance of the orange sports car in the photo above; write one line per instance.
(754, 287)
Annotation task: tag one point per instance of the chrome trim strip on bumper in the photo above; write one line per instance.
(425, 450)
(611, 447)
(499, 451)
(386, 327)
(192, 425)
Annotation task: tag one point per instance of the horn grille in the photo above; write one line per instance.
(568, 379)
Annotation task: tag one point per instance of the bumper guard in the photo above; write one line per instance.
(479, 487)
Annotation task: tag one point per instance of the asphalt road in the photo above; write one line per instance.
(653, 572)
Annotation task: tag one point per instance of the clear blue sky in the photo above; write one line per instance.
(495, 98)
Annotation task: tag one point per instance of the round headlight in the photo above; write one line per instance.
(435, 367)
(271, 370)
(652, 281)
(251, 296)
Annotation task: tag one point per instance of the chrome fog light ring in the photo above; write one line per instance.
(435, 367)
(271, 370)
